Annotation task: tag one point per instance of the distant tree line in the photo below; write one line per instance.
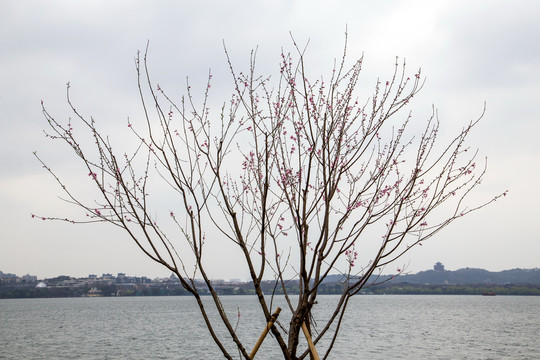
(334, 288)
(30, 291)
(471, 289)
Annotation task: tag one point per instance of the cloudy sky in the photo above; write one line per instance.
(471, 52)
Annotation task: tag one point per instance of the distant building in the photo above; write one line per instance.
(29, 278)
(8, 278)
(438, 266)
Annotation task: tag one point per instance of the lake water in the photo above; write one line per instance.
(376, 327)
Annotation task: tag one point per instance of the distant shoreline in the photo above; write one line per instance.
(468, 281)
(29, 291)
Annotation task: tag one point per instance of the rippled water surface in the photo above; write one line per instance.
(375, 327)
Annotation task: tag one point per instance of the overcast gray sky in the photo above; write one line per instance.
(470, 52)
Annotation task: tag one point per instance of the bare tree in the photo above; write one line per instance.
(298, 174)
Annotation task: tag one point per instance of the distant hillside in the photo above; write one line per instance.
(463, 277)
(473, 276)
